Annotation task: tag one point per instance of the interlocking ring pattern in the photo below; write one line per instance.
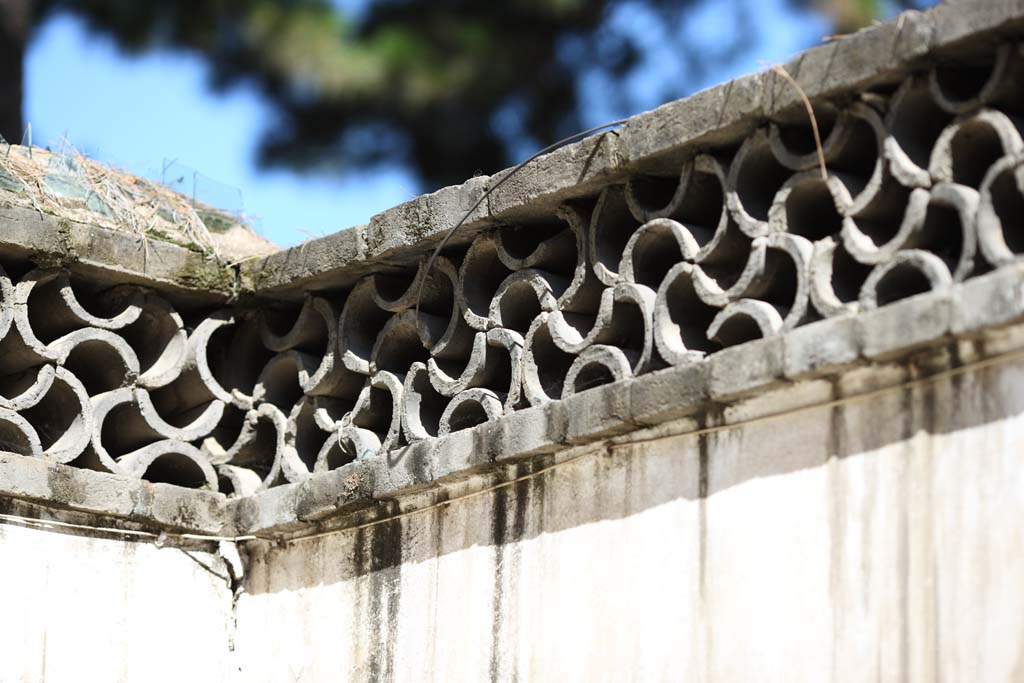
(924, 187)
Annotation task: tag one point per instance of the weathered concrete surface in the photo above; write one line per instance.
(979, 315)
(699, 234)
(876, 539)
(174, 508)
(101, 608)
(111, 256)
(980, 308)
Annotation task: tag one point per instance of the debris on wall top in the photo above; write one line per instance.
(71, 186)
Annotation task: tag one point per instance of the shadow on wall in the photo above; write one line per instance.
(630, 479)
(816, 512)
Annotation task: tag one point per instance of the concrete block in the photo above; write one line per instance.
(597, 413)
(109, 495)
(271, 510)
(881, 51)
(569, 172)
(747, 368)
(711, 115)
(955, 21)
(426, 218)
(523, 433)
(112, 255)
(996, 298)
(118, 253)
(669, 394)
(188, 509)
(823, 346)
(103, 494)
(905, 325)
(37, 480)
(291, 272)
(459, 453)
(329, 493)
(411, 465)
(22, 477)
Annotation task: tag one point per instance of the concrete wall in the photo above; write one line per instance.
(87, 608)
(876, 540)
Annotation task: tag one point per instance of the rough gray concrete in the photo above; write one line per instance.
(823, 528)
(820, 350)
(876, 539)
(601, 263)
(112, 256)
(903, 333)
(162, 505)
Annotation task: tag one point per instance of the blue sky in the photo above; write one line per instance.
(141, 113)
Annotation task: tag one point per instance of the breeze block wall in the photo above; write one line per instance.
(695, 398)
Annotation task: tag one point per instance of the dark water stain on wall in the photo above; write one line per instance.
(385, 595)
(507, 502)
(838, 450)
(499, 532)
(359, 608)
(377, 560)
(703, 465)
(704, 448)
(903, 526)
(437, 528)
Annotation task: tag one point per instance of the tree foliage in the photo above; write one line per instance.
(444, 86)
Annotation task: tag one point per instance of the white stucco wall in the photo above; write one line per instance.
(81, 609)
(878, 540)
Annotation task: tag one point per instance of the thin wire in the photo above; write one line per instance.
(451, 232)
(55, 524)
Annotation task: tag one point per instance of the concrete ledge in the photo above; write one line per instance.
(738, 383)
(345, 489)
(651, 142)
(745, 369)
(323, 262)
(996, 298)
(113, 256)
(159, 505)
(905, 325)
(821, 349)
(817, 348)
(357, 341)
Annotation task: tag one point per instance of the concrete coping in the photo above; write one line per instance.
(981, 319)
(863, 334)
(115, 257)
(648, 142)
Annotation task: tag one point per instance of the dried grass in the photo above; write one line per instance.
(810, 114)
(68, 184)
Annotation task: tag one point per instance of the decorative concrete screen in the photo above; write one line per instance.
(916, 186)
(731, 392)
